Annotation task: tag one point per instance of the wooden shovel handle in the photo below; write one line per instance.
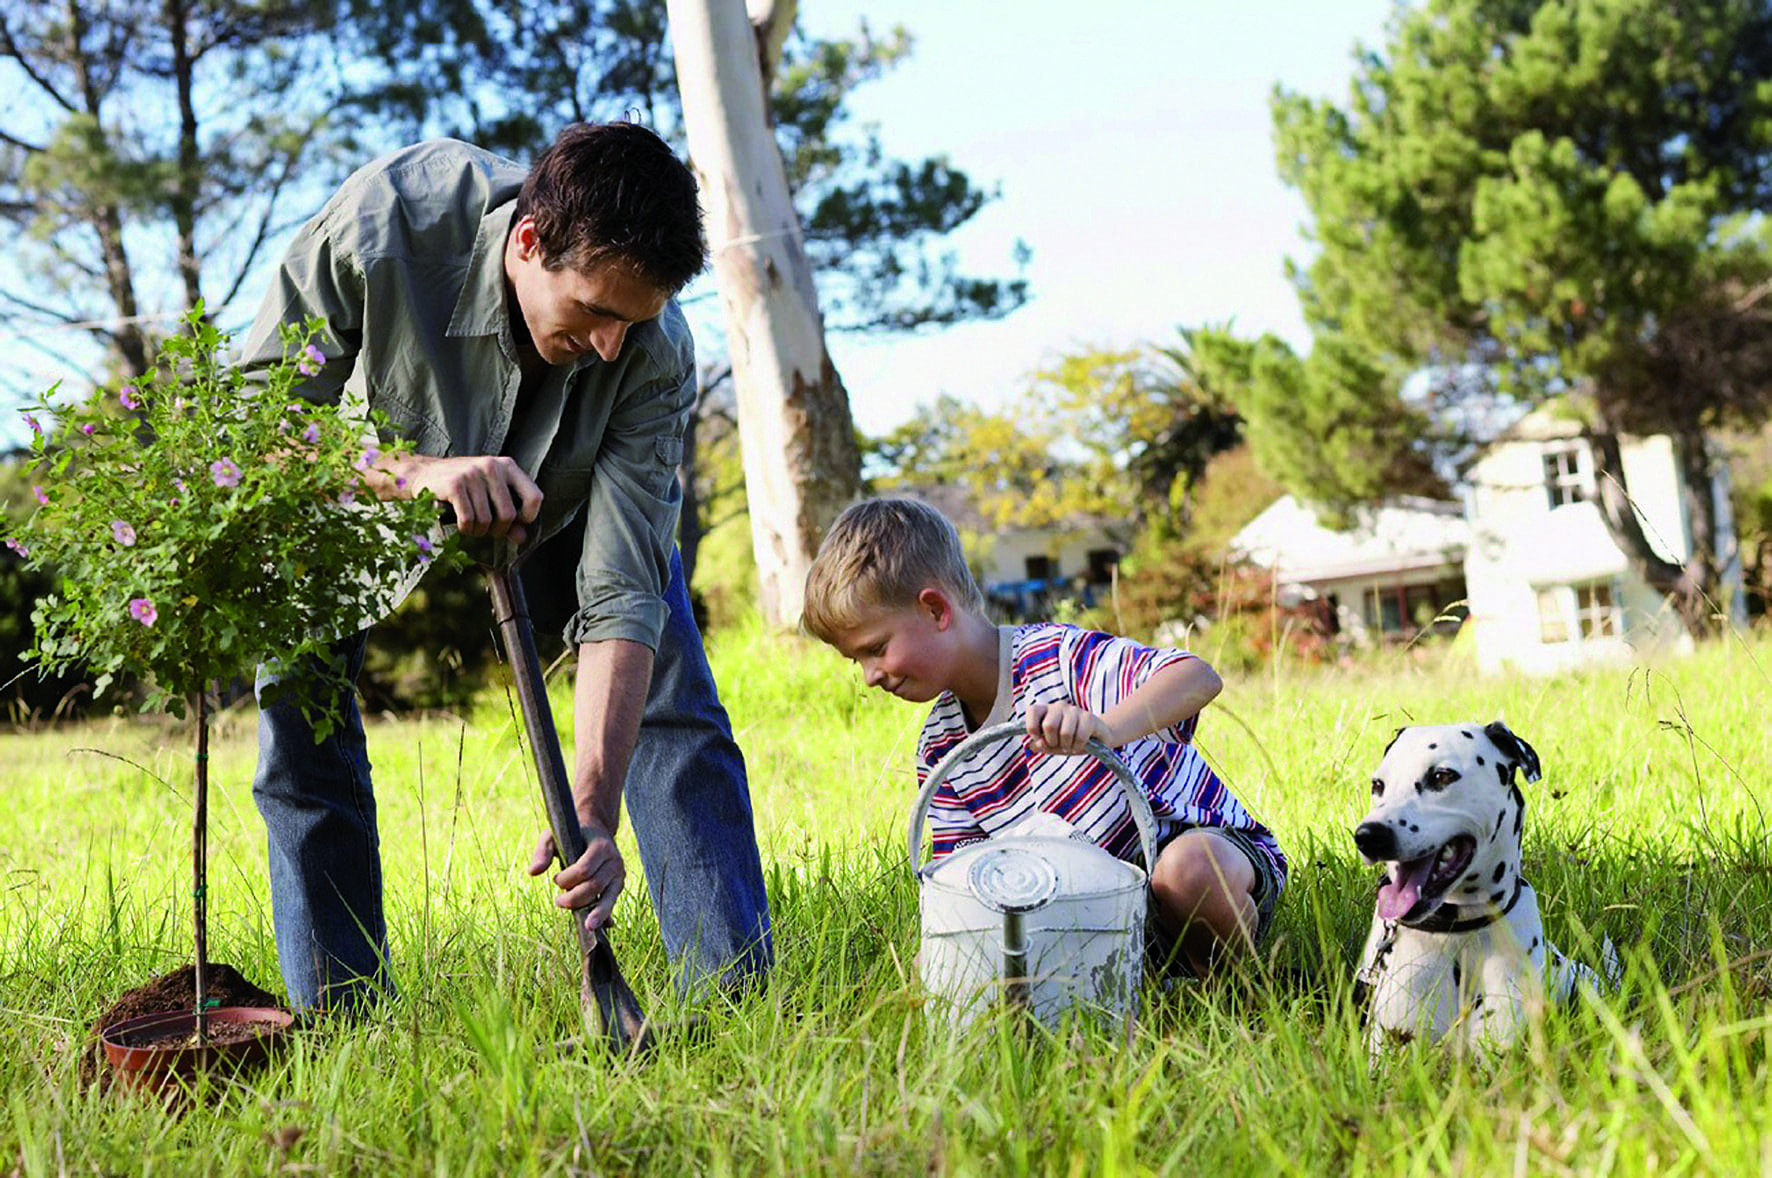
(610, 1008)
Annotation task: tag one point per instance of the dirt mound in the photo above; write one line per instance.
(174, 990)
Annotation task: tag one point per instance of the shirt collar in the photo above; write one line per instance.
(480, 308)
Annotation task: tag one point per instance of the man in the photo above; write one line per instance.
(519, 329)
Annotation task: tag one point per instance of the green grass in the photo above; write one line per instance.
(1647, 828)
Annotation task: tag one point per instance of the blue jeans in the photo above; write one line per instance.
(686, 798)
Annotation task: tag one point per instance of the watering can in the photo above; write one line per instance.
(1048, 920)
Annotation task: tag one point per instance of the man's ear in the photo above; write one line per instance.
(524, 234)
(937, 605)
(1513, 748)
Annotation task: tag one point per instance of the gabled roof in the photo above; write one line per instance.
(1404, 534)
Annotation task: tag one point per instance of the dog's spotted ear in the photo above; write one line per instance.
(1517, 751)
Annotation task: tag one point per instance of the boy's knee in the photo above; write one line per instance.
(1200, 870)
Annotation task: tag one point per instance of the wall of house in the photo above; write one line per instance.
(1004, 558)
(1350, 596)
(1521, 545)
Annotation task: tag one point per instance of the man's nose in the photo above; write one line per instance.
(608, 340)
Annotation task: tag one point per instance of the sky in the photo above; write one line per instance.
(1131, 144)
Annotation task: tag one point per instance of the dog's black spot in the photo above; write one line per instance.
(1505, 772)
(1457, 975)
(1434, 745)
(1480, 760)
(1497, 897)
(1466, 733)
(1414, 829)
(1500, 870)
(1499, 819)
(1469, 878)
(1398, 1036)
(1535, 942)
(1470, 887)
(1519, 821)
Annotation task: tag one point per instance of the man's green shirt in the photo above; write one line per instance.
(405, 265)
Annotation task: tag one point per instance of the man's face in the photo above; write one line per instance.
(570, 312)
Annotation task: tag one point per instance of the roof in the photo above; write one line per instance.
(1401, 535)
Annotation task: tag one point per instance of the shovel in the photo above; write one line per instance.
(611, 1012)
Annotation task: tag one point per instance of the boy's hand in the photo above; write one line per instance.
(1065, 729)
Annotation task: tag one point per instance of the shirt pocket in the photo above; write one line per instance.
(426, 434)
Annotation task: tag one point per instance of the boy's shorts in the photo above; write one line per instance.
(1161, 950)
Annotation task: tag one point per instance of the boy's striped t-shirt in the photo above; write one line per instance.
(999, 785)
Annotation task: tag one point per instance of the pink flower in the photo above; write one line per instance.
(87, 429)
(224, 472)
(122, 533)
(17, 546)
(347, 497)
(126, 395)
(36, 427)
(425, 548)
(370, 457)
(143, 611)
(312, 359)
(41, 497)
(311, 435)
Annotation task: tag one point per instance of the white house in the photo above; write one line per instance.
(1549, 587)
(1023, 569)
(1399, 570)
(1545, 585)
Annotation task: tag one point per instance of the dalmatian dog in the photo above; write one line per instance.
(1456, 948)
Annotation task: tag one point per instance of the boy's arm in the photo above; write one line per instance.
(1172, 695)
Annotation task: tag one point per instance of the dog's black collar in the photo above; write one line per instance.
(1444, 919)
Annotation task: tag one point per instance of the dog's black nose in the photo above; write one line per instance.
(1376, 840)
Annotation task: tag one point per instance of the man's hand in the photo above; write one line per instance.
(1065, 729)
(593, 883)
(490, 494)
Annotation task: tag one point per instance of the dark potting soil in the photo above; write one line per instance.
(220, 1034)
(174, 990)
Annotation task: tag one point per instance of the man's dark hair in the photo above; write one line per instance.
(617, 191)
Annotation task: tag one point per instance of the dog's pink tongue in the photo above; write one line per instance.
(1398, 896)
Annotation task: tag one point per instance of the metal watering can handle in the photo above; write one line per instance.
(1136, 800)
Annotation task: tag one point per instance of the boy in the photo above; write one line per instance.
(890, 590)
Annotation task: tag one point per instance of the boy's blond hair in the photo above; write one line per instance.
(881, 553)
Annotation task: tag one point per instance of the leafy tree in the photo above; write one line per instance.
(197, 524)
(1549, 198)
(151, 154)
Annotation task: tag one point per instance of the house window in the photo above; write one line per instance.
(1596, 610)
(1565, 479)
(1041, 568)
(1553, 622)
(1579, 612)
(1101, 565)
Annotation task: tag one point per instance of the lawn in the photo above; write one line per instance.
(1648, 827)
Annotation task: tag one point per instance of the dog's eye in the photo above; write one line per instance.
(1444, 776)
(1377, 788)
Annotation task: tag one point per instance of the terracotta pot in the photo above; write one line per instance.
(138, 1061)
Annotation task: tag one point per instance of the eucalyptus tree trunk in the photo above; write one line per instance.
(801, 461)
(1695, 587)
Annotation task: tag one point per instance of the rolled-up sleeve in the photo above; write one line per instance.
(631, 516)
